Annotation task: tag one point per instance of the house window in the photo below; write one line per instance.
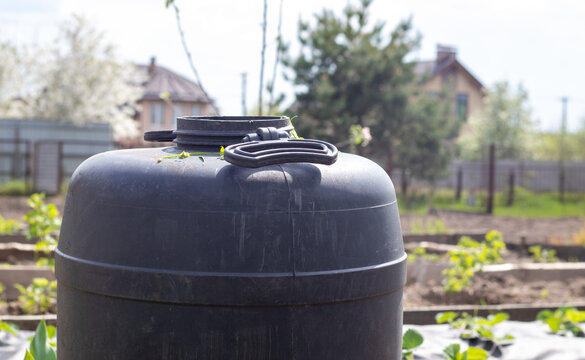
(157, 115)
(195, 110)
(177, 112)
(461, 106)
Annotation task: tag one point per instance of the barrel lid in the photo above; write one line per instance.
(215, 131)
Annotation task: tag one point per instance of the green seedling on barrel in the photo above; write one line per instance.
(184, 155)
(563, 321)
(411, 340)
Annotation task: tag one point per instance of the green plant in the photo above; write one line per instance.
(14, 188)
(453, 352)
(43, 344)
(411, 340)
(543, 255)
(469, 258)
(8, 327)
(8, 227)
(475, 327)
(430, 227)
(38, 297)
(4, 326)
(293, 132)
(43, 223)
(184, 155)
(563, 321)
(422, 252)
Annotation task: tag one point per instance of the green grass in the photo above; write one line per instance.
(526, 204)
(14, 188)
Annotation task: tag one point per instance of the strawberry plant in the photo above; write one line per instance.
(453, 352)
(422, 253)
(43, 220)
(8, 227)
(411, 340)
(477, 328)
(43, 223)
(38, 297)
(469, 258)
(563, 321)
(543, 255)
(430, 227)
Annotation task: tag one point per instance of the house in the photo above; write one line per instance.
(168, 95)
(447, 73)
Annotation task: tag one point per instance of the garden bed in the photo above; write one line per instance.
(518, 282)
(507, 284)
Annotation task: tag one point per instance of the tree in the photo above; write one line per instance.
(505, 121)
(14, 68)
(425, 144)
(8, 75)
(351, 73)
(547, 145)
(80, 80)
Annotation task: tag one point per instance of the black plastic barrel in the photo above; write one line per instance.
(198, 258)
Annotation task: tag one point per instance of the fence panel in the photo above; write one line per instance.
(47, 167)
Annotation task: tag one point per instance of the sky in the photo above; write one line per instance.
(538, 43)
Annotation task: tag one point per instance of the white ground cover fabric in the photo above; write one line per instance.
(533, 342)
(14, 347)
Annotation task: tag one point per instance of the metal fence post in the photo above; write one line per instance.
(510, 188)
(459, 184)
(491, 179)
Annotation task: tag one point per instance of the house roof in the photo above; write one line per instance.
(432, 68)
(162, 80)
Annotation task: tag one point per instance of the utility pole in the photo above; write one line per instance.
(262, 61)
(244, 78)
(563, 150)
(491, 178)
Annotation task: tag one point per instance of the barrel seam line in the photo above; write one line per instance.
(324, 303)
(289, 211)
(218, 275)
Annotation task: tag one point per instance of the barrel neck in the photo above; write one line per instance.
(216, 131)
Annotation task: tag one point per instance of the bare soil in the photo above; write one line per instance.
(15, 207)
(497, 289)
(545, 230)
(14, 308)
